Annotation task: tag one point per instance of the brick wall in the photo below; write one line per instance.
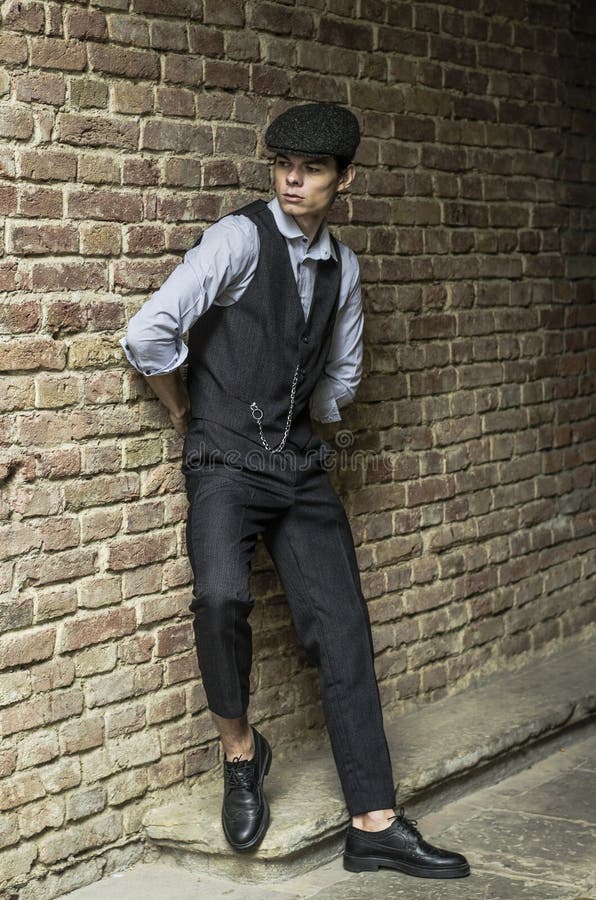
(126, 127)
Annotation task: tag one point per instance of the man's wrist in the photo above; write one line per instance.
(172, 392)
(179, 410)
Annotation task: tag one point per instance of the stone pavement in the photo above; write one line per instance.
(530, 837)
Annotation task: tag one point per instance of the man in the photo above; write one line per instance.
(272, 304)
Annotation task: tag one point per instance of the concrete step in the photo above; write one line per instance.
(439, 751)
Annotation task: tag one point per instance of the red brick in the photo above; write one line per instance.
(148, 678)
(140, 275)
(168, 770)
(230, 12)
(191, 9)
(116, 206)
(104, 388)
(55, 53)
(95, 832)
(85, 24)
(175, 102)
(8, 199)
(24, 716)
(234, 140)
(66, 704)
(16, 122)
(345, 34)
(139, 171)
(40, 88)
(8, 277)
(429, 490)
(127, 720)
(63, 316)
(57, 567)
(13, 48)
(16, 393)
(123, 62)
(218, 172)
(55, 603)
(32, 353)
(370, 211)
(43, 239)
(136, 649)
(60, 463)
(8, 761)
(206, 41)
(306, 85)
(178, 68)
(181, 137)
(181, 668)
(23, 788)
(167, 705)
(76, 276)
(60, 535)
(200, 760)
(16, 614)
(426, 327)
(130, 552)
(20, 316)
(272, 17)
(96, 628)
(242, 46)
(98, 131)
(17, 17)
(228, 75)
(174, 639)
(169, 36)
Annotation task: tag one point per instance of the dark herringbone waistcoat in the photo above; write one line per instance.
(248, 351)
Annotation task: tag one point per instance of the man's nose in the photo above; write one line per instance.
(293, 176)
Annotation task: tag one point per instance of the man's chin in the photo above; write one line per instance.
(292, 209)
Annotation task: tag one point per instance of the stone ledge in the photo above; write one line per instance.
(432, 747)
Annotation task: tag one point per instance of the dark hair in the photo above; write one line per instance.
(342, 163)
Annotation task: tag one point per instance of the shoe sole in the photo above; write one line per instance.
(260, 833)
(374, 863)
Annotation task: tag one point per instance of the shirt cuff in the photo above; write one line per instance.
(323, 405)
(148, 370)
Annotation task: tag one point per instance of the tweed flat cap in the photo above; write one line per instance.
(314, 129)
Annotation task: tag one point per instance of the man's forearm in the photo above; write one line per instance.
(172, 392)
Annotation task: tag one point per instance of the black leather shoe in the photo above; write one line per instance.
(245, 812)
(401, 847)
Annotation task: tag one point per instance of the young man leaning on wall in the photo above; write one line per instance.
(272, 304)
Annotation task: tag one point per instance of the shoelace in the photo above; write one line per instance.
(241, 774)
(409, 823)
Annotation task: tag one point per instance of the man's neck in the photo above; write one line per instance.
(309, 226)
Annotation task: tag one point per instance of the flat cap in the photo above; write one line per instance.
(314, 129)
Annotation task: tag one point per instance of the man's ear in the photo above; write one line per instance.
(347, 177)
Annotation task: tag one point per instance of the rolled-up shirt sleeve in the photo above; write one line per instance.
(217, 270)
(343, 369)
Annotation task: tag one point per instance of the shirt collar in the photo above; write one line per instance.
(321, 248)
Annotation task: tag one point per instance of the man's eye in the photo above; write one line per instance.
(312, 169)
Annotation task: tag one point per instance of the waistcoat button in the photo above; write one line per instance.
(305, 339)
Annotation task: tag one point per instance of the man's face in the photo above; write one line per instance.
(307, 187)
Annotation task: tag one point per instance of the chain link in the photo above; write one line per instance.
(257, 415)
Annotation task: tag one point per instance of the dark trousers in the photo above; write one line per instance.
(305, 529)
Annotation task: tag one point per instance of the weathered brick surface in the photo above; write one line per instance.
(467, 464)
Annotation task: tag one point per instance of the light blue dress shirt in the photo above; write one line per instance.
(218, 271)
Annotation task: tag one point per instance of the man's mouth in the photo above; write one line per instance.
(292, 198)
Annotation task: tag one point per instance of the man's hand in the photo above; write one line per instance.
(172, 392)
(180, 422)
